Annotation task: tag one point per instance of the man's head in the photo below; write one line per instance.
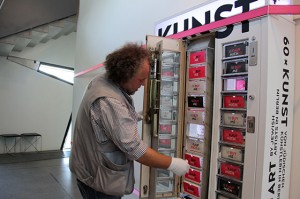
(128, 67)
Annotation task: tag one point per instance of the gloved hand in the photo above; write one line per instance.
(179, 166)
(140, 115)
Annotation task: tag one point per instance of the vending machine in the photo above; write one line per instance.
(225, 104)
(253, 111)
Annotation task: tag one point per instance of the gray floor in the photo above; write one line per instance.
(39, 179)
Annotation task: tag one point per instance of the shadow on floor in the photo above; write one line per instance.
(32, 156)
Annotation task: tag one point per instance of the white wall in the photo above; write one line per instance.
(33, 102)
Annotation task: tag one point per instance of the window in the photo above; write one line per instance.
(63, 73)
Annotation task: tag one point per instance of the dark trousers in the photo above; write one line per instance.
(89, 193)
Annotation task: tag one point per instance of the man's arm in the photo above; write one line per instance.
(154, 159)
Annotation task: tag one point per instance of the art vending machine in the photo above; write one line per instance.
(253, 111)
(178, 112)
(225, 104)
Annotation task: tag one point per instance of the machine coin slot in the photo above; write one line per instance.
(253, 53)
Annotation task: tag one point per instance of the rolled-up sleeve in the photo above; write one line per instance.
(119, 122)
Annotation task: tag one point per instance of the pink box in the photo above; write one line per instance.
(197, 57)
(165, 128)
(194, 160)
(193, 175)
(197, 72)
(231, 170)
(191, 188)
(240, 85)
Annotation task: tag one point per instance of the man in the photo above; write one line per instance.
(106, 140)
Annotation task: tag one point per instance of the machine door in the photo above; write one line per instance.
(163, 114)
(177, 112)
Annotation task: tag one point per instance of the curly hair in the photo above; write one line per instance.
(122, 64)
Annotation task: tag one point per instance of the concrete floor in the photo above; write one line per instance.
(45, 179)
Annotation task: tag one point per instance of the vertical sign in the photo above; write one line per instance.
(279, 117)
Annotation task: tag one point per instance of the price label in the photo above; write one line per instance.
(195, 116)
(165, 143)
(194, 145)
(235, 67)
(237, 49)
(165, 128)
(234, 101)
(197, 72)
(234, 119)
(231, 170)
(232, 153)
(234, 136)
(167, 72)
(196, 102)
(193, 175)
(166, 114)
(166, 100)
(166, 87)
(197, 57)
(191, 188)
(196, 86)
(230, 186)
(194, 160)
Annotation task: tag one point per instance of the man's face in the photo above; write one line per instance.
(138, 80)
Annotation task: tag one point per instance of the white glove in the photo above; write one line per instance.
(140, 115)
(179, 166)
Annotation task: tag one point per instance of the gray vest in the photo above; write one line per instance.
(96, 163)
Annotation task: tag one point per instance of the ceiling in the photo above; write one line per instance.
(27, 22)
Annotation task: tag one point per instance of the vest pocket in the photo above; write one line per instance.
(114, 179)
(110, 181)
